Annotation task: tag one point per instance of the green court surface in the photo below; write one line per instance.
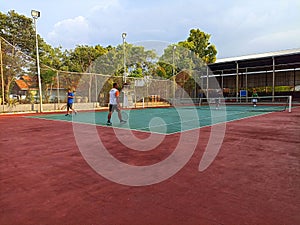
(166, 120)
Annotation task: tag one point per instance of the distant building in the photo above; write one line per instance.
(24, 86)
(26, 90)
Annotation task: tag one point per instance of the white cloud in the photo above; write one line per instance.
(236, 27)
(104, 5)
(280, 40)
(249, 27)
(70, 32)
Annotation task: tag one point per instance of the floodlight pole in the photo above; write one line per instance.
(173, 73)
(35, 15)
(124, 57)
(237, 81)
(273, 79)
(2, 77)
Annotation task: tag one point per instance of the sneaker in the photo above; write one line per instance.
(108, 123)
(67, 114)
(122, 121)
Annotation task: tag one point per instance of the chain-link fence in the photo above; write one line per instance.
(20, 86)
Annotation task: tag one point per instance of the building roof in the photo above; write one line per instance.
(22, 85)
(25, 82)
(286, 59)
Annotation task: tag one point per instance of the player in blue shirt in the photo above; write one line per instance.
(70, 102)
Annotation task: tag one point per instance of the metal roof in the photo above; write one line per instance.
(286, 59)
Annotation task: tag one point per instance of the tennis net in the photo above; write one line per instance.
(264, 103)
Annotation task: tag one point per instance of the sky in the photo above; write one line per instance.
(237, 27)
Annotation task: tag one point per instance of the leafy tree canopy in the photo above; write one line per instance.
(18, 30)
(198, 42)
(19, 33)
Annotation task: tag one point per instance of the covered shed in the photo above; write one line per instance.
(272, 73)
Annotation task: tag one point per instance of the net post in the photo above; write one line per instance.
(290, 103)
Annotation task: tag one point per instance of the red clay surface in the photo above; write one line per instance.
(255, 178)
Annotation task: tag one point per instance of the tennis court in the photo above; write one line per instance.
(254, 179)
(169, 120)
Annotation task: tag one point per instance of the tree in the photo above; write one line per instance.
(82, 60)
(187, 59)
(18, 30)
(138, 61)
(20, 52)
(51, 57)
(175, 59)
(82, 57)
(17, 39)
(198, 42)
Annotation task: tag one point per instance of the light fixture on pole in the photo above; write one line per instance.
(35, 15)
(173, 71)
(124, 59)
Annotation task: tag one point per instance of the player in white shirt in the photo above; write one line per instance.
(114, 104)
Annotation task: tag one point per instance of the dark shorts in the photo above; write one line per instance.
(113, 108)
(69, 106)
